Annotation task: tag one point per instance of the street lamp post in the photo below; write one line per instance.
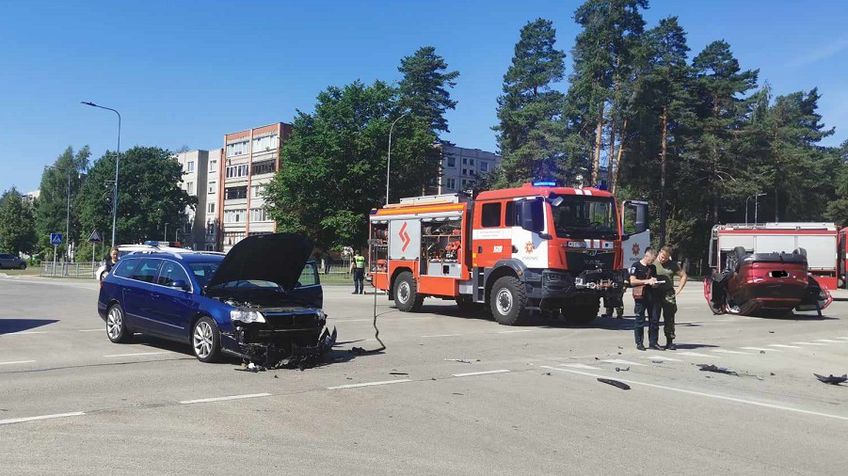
(165, 235)
(755, 196)
(117, 167)
(389, 161)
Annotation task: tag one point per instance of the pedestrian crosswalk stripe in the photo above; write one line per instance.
(784, 346)
(759, 349)
(725, 351)
(622, 361)
(829, 341)
(580, 366)
(692, 354)
(808, 343)
(660, 357)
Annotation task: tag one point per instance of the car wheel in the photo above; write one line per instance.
(508, 300)
(406, 293)
(22, 266)
(205, 340)
(116, 325)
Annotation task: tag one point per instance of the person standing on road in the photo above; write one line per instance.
(357, 267)
(112, 259)
(642, 276)
(665, 293)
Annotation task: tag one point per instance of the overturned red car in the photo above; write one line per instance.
(758, 279)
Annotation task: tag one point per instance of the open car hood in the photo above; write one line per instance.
(277, 257)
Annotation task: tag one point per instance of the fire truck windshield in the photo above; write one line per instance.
(585, 217)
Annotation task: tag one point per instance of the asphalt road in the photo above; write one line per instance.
(451, 395)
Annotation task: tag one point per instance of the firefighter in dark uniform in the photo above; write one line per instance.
(666, 294)
(357, 267)
(642, 278)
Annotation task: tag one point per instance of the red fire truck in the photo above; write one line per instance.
(842, 256)
(535, 247)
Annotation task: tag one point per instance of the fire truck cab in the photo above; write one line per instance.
(534, 247)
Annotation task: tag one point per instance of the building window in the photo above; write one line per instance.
(261, 144)
(190, 166)
(464, 161)
(258, 214)
(264, 167)
(213, 188)
(235, 193)
(450, 183)
(210, 228)
(213, 166)
(236, 171)
(237, 148)
(484, 166)
(232, 238)
(451, 161)
(190, 188)
(234, 216)
(470, 161)
(491, 215)
(256, 191)
(210, 208)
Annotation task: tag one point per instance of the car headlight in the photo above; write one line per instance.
(246, 316)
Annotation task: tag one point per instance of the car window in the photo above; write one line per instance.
(309, 275)
(126, 267)
(171, 272)
(147, 270)
(203, 271)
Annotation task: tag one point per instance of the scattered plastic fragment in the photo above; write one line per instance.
(625, 369)
(464, 361)
(398, 373)
(716, 369)
(832, 379)
(614, 383)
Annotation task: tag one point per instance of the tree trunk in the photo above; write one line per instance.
(611, 153)
(663, 156)
(617, 175)
(596, 157)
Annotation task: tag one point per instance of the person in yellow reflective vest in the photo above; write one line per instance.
(357, 268)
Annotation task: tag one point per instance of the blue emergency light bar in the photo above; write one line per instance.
(545, 183)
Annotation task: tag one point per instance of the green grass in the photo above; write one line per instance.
(30, 271)
(336, 279)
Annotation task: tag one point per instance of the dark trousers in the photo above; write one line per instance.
(647, 306)
(358, 280)
(669, 309)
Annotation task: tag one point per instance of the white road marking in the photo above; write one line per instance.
(782, 346)
(515, 330)
(221, 399)
(485, 372)
(369, 384)
(807, 343)
(40, 417)
(660, 357)
(759, 349)
(709, 395)
(829, 341)
(137, 354)
(692, 354)
(102, 329)
(625, 362)
(441, 335)
(725, 351)
(23, 333)
(13, 362)
(580, 366)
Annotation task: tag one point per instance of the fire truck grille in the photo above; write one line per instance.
(579, 261)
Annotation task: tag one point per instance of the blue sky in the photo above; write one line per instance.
(185, 73)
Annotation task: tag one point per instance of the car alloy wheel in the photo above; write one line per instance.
(203, 340)
(114, 323)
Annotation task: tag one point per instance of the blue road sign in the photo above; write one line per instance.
(55, 239)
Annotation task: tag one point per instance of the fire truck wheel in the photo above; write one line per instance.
(581, 314)
(508, 300)
(406, 293)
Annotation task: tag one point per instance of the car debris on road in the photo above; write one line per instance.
(832, 379)
(614, 383)
(716, 369)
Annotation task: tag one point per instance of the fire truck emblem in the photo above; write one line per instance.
(404, 237)
(528, 247)
(636, 249)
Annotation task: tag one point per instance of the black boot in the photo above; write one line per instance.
(669, 345)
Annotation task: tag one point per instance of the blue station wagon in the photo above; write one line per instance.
(258, 302)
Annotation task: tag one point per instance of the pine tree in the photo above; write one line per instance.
(530, 131)
(17, 224)
(424, 87)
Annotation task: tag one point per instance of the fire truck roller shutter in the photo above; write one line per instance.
(405, 239)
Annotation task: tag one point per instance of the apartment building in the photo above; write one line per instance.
(249, 161)
(195, 170)
(462, 167)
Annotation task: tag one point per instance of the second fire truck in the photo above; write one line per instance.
(536, 247)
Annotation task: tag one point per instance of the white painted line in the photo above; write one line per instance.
(23, 333)
(13, 362)
(580, 366)
(102, 329)
(485, 372)
(137, 354)
(725, 351)
(660, 357)
(708, 395)
(40, 417)
(441, 335)
(622, 361)
(784, 346)
(760, 349)
(829, 341)
(369, 384)
(221, 399)
(515, 331)
(807, 343)
(692, 354)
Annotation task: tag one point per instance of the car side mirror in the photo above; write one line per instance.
(179, 284)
